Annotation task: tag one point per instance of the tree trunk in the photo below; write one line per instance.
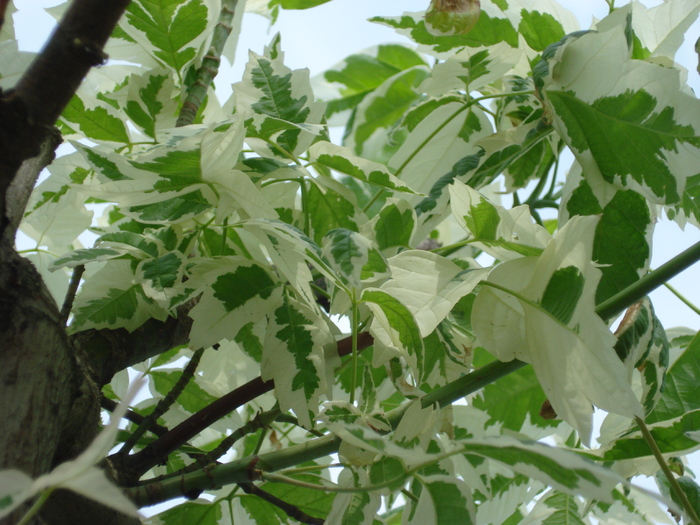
(50, 404)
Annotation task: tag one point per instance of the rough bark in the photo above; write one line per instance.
(38, 380)
(50, 406)
(21, 187)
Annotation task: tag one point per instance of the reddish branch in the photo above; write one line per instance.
(156, 452)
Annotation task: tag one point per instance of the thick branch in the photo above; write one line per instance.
(28, 112)
(109, 351)
(73, 49)
(21, 187)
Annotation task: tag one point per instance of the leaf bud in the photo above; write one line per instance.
(452, 17)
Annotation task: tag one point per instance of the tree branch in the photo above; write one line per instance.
(111, 405)
(30, 110)
(164, 404)
(137, 464)
(22, 185)
(210, 65)
(108, 351)
(70, 293)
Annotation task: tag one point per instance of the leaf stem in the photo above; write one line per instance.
(305, 206)
(372, 200)
(682, 498)
(683, 298)
(649, 282)
(26, 519)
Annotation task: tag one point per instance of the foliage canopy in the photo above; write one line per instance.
(344, 296)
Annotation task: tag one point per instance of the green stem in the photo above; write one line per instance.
(305, 206)
(151, 493)
(354, 321)
(26, 519)
(682, 298)
(649, 282)
(372, 200)
(682, 498)
(430, 136)
(210, 65)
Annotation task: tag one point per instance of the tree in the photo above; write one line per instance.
(287, 298)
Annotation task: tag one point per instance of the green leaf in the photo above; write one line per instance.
(190, 512)
(358, 508)
(469, 70)
(558, 468)
(98, 123)
(150, 103)
(378, 112)
(192, 399)
(297, 4)
(444, 499)
(428, 285)
(330, 205)
(278, 102)
(347, 252)
(293, 254)
(643, 347)
(670, 435)
(559, 509)
(78, 257)
(511, 325)
(563, 292)
(514, 400)
(654, 122)
(239, 293)
(439, 134)
(540, 29)
(260, 511)
(395, 224)
(687, 484)
(294, 357)
(342, 160)
(170, 31)
(111, 299)
(164, 271)
(504, 234)
(360, 74)
(623, 238)
(398, 327)
(681, 392)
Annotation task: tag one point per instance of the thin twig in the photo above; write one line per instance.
(682, 298)
(158, 450)
(111, 405)
(292, 511)
(261, 420)
(682, 498)
(164, 404)
(70, 293)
